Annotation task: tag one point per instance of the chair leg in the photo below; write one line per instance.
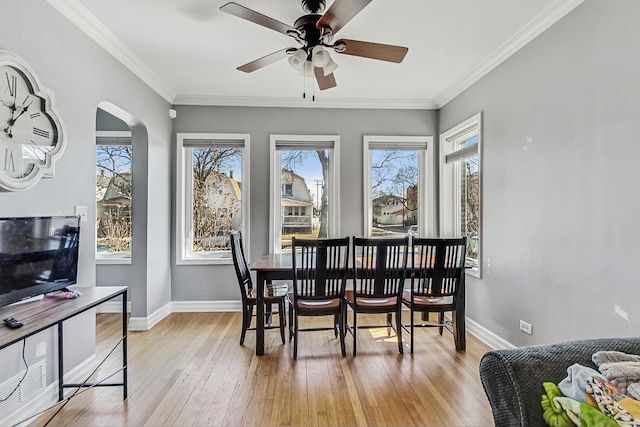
(295, 336)
(354, 331)
(441, 321)
(281, 318)
(268, 314)
(399, 329)
(290, 321)
(336, 324)
(412, 326)
(342, 329)
(389, 324)
(459, 330)
(245, 322)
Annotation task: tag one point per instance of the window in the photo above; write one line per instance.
(213, 195)
(461, 187)
(304, 188)
(399, 185)
(114, 190)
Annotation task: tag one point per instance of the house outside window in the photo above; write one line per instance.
(213, 176)
(114, 201)
(304, 188)
(461, 187)
(398, 185)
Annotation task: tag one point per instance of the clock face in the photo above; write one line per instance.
(30, 132)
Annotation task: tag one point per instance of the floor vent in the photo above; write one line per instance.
(33, 383)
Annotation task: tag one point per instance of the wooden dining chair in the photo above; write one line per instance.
(274, 294)
(379, 273)
(437, 285)
(320, 268)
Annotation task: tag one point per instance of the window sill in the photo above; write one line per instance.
(205, 261)
(122, 260)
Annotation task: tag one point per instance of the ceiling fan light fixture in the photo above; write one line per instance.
(319, 56)
(307, 70)
(330, 67)
(298, 59)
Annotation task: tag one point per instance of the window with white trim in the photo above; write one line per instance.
(114, 191)
(399, 186)
(212, 195)
(304, 188)
(461, 187)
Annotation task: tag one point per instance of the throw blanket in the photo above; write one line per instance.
(621, 369)
(588, 398)
(575, 384)
(610, 401)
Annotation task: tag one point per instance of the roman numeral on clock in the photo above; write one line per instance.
(9, 162)
(40, 132)
(12, 81)
(34, 115)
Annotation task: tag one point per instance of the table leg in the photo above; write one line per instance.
(60, 362)
(124, 345)
(261, 279)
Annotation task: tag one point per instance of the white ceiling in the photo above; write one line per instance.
(188, 50)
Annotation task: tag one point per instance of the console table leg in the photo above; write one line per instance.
(60, 363)
(124, 345)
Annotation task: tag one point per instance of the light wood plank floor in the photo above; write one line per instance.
(189, 370)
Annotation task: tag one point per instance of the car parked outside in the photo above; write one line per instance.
(412, 231)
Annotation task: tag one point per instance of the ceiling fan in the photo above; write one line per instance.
(315, 33)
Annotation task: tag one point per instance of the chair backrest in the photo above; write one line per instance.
(379, 266)
(240, 263)
(320, 267)
(65, 263)
(438, 266)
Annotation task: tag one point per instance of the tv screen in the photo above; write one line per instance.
(37, 255)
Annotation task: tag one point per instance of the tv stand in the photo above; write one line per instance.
(53, 310)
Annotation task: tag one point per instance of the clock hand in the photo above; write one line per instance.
(8, 130)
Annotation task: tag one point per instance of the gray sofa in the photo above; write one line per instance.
(513, 378)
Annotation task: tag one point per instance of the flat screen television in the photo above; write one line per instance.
(37, 255)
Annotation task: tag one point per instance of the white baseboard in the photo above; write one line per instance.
(112, 307)
(205, 306)
(146, 323)
(486, 336)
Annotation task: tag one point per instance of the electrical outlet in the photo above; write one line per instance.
(526, 327)
(81, 211)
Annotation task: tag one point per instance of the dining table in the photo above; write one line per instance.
(279, 266)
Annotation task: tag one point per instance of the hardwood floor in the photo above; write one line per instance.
(190, 370)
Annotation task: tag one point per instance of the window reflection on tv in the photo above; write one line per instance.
(37, 255)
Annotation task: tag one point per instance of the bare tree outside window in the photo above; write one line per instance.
(470, 206)
(113, 198)
(216, 196)
(394, 190)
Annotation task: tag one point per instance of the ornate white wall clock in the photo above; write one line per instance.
(32, 135)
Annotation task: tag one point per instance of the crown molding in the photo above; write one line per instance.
(541, 22)
(90, 25)
(84, 20)
(231, 101)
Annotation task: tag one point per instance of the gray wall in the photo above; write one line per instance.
(560, 169)
(195, 283)
(82, 75)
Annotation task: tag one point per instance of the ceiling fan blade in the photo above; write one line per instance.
(324, 82)
(264, 61)
(341, 12)
(383, 52)
(258, 18)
